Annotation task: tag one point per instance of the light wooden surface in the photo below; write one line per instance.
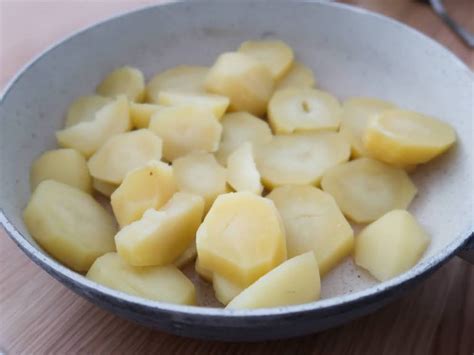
(40, 316)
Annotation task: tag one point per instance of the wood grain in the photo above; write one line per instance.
(40, 316)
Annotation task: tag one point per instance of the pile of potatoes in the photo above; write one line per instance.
(243, 167)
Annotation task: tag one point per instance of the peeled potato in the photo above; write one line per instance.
(157, 283)
(84, 108)
(313, 222)
(300, 159)
(140, 113)
(202, 272)
(185, 129)
(276, 55)
(182, 78)
(105, 188)
(69, 224)
(123, 153)
(240, 127)
(126, 81)
(242, 173)
(244, 80)
(299, 76)
(366, 189)
(295, 281)
(187, 256)
(149, 186)
(402, 137)
(64, 165)
(391, 245)
(201, 174)
(88, 136)
(303, 109)
(160, 237)
(224, 289)
(241, 238)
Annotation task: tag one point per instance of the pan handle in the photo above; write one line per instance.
(467, 251)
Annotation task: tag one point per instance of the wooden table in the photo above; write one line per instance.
(39, 316)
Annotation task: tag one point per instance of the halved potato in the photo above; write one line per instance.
(242, 173)
(224, 290)
(299, 76)
(126, 81)
(84, 108)
(140, 113)
(105, 188)
(187, 256)
(202, 272)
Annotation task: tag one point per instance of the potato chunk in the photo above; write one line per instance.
(160, 237)
(126, 81)
(300, 159)
(123, 153)
(299, 76)
(150, 186)
(366, 189)
(69, 224)
(88, 136)
(84, 108)
(224, 290)
(157, 283)
(303, 109)
(402, 137)
(244, 80)
(313, 222)
(295, 281)
(188, 255)
(240, 127)
(242, 173)
(105, 188)
(140, 113)
(64, 165)
(241, 238)
(201, 174)
(391, 245)
(202, 272)
(185, 129)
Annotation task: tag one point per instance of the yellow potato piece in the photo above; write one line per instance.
(402, 137)
(187, 256)
(185, 129)
(88, 136)
(123, 153)
(303, 109)
(205, 274)
(299, 76)
(141, 113)
(366, 189)
(69, 224)
(216, 103)
(201, 174)
(295, 281)
(242, 173)
(224, 290)
(313, 222)
(157, 283)
(182, 78)
(391, 245)
(64, 165)
(240, 127)
(276, 55)
(244, 80)
(241, 238)
(300, 159)
(105, 188)
(126, 81)
(160, 237)
(84, 108)
(150, 186)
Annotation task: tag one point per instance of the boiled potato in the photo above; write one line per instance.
(201, 174)
(244, 80)
(299, 76)
(105, 188)
(123, 153)
(401, 137)
(157, 283)
(64, 165)
(300, 159)
(391, 245)
(356, 114)
(88, 136)
(242, 173)
(295, 281)
(313, 222)
(141, 113)
(366, 189)
(84, 108)
(187, 256)
(160, 237)
(126, 81)
(224, 290)
(69, 224)
(149, 186)
(202, 272)
(303, 109)
(181, 78)
(242, 238)
(240, 127)
(216, 103)
(276, 55)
